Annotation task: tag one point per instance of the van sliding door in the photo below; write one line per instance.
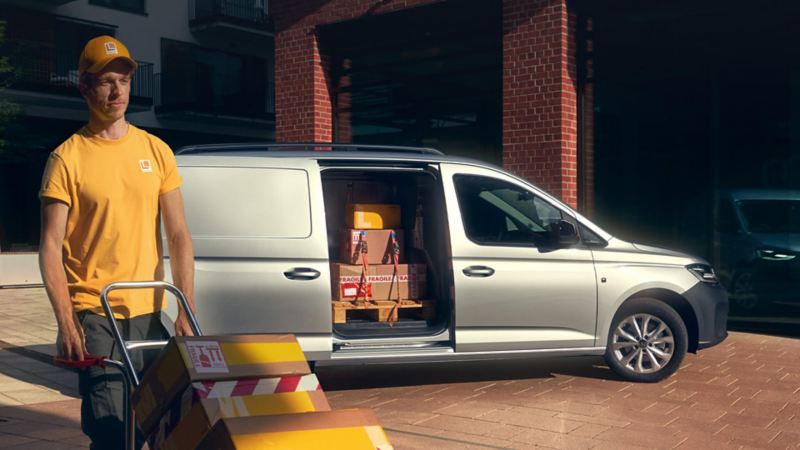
(261, 260)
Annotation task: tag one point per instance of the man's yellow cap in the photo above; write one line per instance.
(100, 51)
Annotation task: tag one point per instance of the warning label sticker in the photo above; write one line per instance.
(206, 357)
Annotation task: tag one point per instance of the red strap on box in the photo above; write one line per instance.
(396, 277)
(363, 283)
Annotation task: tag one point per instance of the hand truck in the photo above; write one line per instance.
(126, 368)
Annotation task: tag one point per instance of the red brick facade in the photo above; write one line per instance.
(539, 95)
(539, 82)
(303, 110)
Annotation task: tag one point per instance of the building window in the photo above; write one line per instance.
(134, 6)
(44, 49)
(209, 81)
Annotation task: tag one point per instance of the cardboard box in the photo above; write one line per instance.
(346, 429)
(372, 216)
(193, 413)
(383, 285)
(188, 359)
(379, 246)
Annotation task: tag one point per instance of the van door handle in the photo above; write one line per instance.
(478, 271)
(302, 274)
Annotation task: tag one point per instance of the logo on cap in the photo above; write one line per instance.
(144, 164)
(111, 48)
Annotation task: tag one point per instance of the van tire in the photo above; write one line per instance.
(648, 354)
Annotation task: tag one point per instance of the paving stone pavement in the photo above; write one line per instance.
(742, 394)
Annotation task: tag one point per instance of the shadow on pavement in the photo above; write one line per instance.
(53, 425)
(34, 366)
(335, 378)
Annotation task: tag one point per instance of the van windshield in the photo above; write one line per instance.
(771, 216)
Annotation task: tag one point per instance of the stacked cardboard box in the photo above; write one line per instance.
(410, 281)
(381, 281)
(198, 381)
(372, 216)
(378, 241)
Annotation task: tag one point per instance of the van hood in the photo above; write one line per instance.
(617, 248)
(661, 251)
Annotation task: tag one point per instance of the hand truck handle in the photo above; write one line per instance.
(112, 321)
(87, 361)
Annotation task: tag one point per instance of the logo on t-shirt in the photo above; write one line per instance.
(144, 164)
(111, 48)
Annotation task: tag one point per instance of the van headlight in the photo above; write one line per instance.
(772, 254)
(703, 272)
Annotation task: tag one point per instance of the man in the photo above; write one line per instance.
(101, 195)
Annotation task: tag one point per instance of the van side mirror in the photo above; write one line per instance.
(566, 234)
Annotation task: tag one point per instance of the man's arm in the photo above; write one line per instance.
(70, 333)
(181, 254)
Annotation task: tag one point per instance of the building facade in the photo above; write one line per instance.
(675, 124)
(205, 75)
(666, 123)
(483, 78)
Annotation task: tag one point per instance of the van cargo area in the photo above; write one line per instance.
(400, 283)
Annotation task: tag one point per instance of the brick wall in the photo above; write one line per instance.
(586, 166)
(303, 108)
(539, 95)
(539, 73)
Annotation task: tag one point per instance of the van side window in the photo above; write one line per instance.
(589, 237)
(500, 213)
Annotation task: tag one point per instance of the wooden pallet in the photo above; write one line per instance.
(378, 311)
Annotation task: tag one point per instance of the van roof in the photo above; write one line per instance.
(323, 151)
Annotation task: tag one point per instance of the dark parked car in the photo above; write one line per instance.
(759, 243)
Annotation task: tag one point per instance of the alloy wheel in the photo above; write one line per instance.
(643, 343)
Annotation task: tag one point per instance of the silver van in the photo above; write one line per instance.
(510, 270)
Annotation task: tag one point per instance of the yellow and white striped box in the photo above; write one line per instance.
(193, 414)
(190, 359)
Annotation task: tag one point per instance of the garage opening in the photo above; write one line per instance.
(427, 76)
(697, 138)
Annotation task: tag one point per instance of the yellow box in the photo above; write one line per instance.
(345, 429)
(184, 430)
(372, 216)
(188, 359)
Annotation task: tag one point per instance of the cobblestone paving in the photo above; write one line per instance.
(742, 394)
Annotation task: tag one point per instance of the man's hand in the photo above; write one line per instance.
(182, 327)
(70, 342)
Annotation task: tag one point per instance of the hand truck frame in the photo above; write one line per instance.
(125, 366)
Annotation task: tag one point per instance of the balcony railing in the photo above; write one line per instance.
(248, 13)
(40, 68)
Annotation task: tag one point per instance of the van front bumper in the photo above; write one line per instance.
(710, 304)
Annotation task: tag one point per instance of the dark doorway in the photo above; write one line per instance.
(429, 76)
(698, 104)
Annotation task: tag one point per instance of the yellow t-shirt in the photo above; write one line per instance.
(113, 229)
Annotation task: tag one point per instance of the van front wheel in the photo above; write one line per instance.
(647, 341)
